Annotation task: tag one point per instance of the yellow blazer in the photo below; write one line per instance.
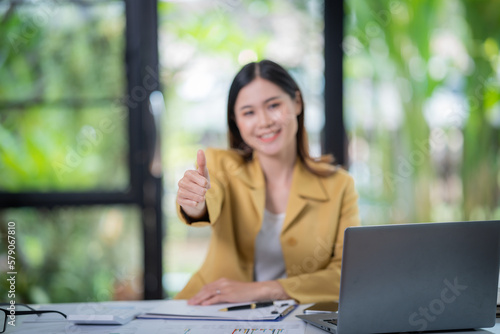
(318, 211)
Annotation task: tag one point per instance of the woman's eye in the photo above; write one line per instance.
(248, 113)
(274, 106)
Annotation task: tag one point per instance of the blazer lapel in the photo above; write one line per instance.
(252, 176)
(305, 188)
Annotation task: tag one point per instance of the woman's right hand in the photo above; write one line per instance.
(192, 189)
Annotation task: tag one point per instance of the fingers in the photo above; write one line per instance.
(228, 291)
(213, 300)
(205, 299)
(202, 165)
(212, 293)
(193, 186)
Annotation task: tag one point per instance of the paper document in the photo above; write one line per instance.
(211, 327)
(179, 309)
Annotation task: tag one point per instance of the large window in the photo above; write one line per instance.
(74, 156)
(422, 108)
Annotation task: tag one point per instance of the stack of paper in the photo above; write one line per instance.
(180, 310)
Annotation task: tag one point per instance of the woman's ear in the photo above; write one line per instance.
(298, 103)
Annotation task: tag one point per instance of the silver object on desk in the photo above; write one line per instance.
(416, 277)
(105, 316)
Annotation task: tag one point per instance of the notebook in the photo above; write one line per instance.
(416, 277)
(180, 310)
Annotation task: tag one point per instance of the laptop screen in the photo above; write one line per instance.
(419, 277)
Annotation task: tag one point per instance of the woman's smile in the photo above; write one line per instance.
(270, 136)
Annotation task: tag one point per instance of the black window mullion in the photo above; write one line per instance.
(142, 74)
(334, 135)
(37, 199)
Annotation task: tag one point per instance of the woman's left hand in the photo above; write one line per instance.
(229, 291)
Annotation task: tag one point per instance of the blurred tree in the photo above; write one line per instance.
(62, 128)
(481, 160)
(61, 77)
(425, 139)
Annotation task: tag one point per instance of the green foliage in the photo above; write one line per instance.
(61, 75)
(441, 58)
(47, 148)
(68, 255)
(481, 166)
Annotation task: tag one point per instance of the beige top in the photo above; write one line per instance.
(269, 263)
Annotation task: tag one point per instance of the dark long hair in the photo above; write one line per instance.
(269, 70)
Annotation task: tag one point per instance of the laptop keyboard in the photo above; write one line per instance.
(331, 321)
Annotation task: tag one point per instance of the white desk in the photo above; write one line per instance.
(291, 324)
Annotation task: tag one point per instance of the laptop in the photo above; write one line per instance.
(416, 277)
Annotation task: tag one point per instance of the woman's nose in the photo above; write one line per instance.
(265, 119)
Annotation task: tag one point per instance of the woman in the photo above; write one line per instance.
(277, 215)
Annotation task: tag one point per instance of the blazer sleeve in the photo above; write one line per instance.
(324, 284)
(214, 196)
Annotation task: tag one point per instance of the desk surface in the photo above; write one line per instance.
(290, 325)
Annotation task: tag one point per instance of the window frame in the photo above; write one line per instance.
(334, 137)
(145, 189)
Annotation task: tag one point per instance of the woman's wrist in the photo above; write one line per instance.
(271, 290)
(192, 216)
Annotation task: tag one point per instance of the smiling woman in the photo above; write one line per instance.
(202, 44)
(268, 202)
(267, 117)
(265, 106)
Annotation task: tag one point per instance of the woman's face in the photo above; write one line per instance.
(267, 117)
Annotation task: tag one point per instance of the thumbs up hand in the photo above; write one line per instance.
(202, 166)
(192, 189)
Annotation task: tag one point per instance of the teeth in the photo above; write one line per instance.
(269, 135)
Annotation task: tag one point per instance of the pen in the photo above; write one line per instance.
(288, 310)
(247, 306)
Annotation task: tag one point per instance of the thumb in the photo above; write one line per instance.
(202, 164)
